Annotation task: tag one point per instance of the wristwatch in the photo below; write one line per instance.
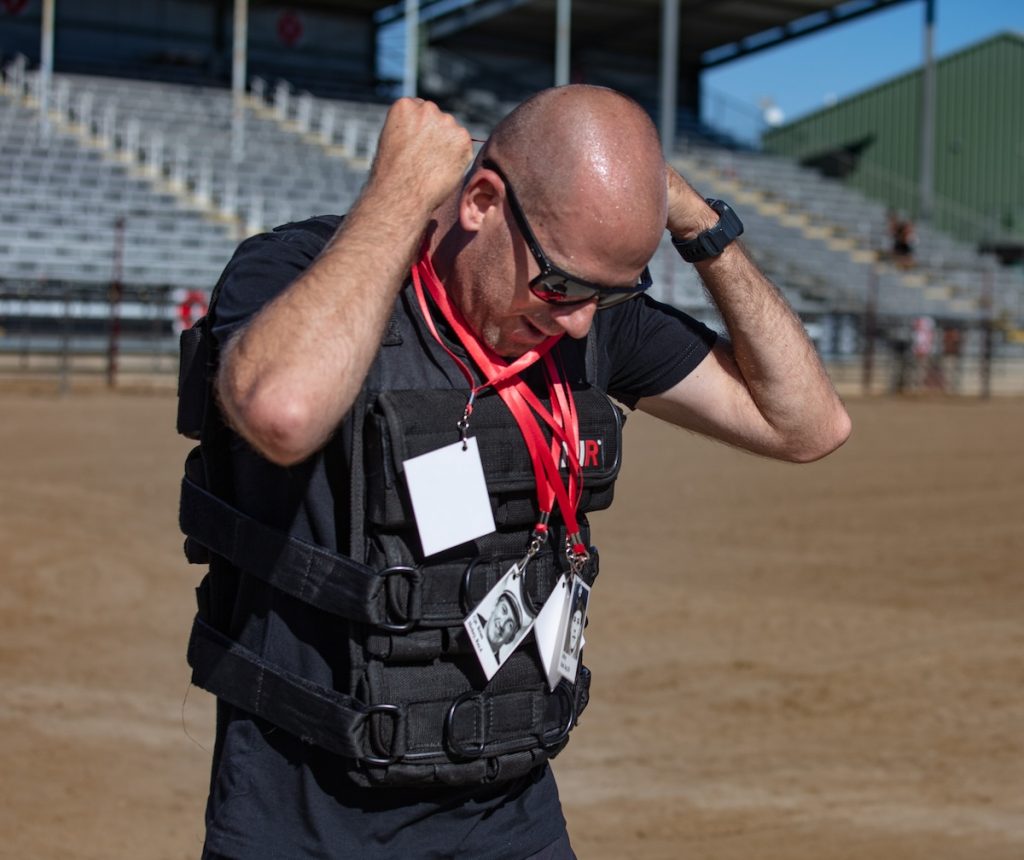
(715, 239)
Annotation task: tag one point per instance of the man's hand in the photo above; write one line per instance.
(422, 154)
(688, 214)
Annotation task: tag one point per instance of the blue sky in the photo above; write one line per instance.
(802, 75)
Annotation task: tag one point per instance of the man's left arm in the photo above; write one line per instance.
(765, 388)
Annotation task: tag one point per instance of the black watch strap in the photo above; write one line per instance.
(714, 240)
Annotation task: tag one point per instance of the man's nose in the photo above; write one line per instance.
(575, 321)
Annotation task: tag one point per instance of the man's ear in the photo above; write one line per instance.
(481, 195)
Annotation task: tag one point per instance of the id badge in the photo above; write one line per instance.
(449, 496)
(575, 618)
(548, 629)
(500, 621)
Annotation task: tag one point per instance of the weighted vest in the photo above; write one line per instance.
(416, 708)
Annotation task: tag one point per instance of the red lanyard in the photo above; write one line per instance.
(524, 405)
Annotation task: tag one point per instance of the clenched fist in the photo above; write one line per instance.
(422, 154)
(688, 214)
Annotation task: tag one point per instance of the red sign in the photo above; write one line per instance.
(289, 28)
(14, 7)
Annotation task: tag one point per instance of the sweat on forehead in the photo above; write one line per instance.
(566, 138)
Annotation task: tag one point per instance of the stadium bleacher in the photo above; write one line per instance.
(168, 168)
(156, 169)
(830, 242)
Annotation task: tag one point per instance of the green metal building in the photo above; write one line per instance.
(873, 139)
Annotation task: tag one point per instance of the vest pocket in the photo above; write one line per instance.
(405, 424)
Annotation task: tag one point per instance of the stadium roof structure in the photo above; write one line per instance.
(712, 32)
(501, 49)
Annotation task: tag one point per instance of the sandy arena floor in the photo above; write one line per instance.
(808, 663)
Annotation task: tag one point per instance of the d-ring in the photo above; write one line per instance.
(563, 734)
(458, 748)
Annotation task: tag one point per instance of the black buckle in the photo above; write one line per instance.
(563, 733)
(395, 713)
(464, 588)
(409, 613)
(457, 748)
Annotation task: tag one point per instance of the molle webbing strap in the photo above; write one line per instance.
(436, 595)
(310, 712)
(193, 375)
(331, 582)
(477, 723)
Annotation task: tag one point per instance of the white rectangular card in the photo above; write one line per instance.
(575, 616)
(449, 496)
(547, 629)
(499, 622)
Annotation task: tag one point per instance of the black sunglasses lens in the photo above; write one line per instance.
(561, 290)
(558, 290)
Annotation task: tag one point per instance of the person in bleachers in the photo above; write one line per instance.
(901, 233)
(491, 300)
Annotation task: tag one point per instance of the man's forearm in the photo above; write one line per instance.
(767, 390)
(290, 376)
(775, 356)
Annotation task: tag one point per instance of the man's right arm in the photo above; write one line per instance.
(289, 376)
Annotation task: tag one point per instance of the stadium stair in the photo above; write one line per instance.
(162, 156)
(829, 240)
(65, 191)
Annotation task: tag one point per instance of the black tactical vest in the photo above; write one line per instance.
(416, 708)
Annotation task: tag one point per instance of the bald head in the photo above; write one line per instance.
(586, 163)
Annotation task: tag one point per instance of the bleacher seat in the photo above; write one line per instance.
(167, 167)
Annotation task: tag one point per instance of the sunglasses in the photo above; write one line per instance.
(555, 285)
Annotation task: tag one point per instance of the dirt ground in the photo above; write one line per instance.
(820, 662)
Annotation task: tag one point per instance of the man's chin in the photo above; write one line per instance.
(520, 341)
(511, 347)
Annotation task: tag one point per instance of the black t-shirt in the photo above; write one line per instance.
(275, 797)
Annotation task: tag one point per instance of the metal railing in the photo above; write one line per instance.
(60, 330)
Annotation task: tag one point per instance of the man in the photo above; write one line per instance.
(351, 719)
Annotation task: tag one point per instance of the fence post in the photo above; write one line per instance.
(64, 386)
(116, 293)
(24, 294)
(328, 118)
(350, 137)
(130, 140)
(83, 111)
(108, 125)
(258, 91)
(304, 111)
(282, 93)
(987, 344)
(870, 326)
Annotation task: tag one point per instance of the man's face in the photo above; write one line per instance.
(575, 628)
(497, 300)
(503, 623)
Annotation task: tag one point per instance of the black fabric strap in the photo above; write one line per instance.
(312, 713)
(323, 579)
(476, 724)
(483, 723)
(438, 595)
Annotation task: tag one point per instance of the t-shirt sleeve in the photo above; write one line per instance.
(261, 268)
(647, 347)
